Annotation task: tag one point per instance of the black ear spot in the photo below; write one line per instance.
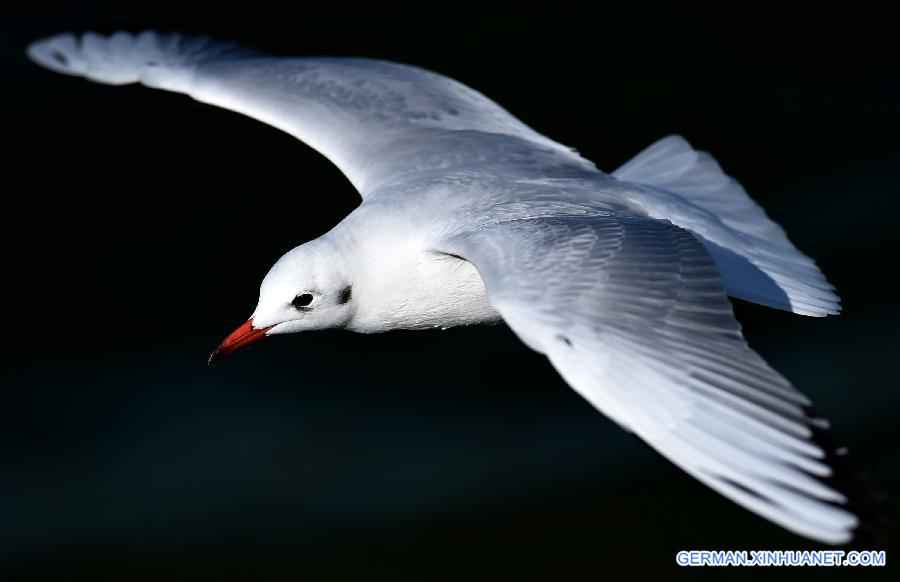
(345, 294)
(302, 300)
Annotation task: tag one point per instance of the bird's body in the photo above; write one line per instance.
(469, 216)
(405, 280)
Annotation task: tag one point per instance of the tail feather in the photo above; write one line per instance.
(757, 260)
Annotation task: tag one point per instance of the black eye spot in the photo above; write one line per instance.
(302, 300)
(345, 294)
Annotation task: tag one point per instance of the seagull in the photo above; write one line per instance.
(470, 216)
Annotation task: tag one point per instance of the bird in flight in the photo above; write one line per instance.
(470, 216)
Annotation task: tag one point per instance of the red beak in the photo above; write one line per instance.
(246, 334)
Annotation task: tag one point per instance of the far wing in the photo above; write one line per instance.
(757, 260)
(633, 314)
(376, 121)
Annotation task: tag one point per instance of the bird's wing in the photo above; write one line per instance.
(757, 260)
(376, 121)
(633, 314)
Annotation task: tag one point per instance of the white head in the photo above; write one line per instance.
(308, 288)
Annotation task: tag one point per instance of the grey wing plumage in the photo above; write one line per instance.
(633, 314)
(376, 121)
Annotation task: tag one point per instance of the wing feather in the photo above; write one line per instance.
(375, 120)
(633, 314)
(757, 260)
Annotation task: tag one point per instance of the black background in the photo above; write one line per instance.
(138, 224)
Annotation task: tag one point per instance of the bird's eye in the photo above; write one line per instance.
(302, 300)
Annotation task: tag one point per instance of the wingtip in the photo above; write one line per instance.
(862, 497)
(54, 52)
(818, 311)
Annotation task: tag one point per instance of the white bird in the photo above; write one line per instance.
(470, 216)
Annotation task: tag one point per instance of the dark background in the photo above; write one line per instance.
(138, 224)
